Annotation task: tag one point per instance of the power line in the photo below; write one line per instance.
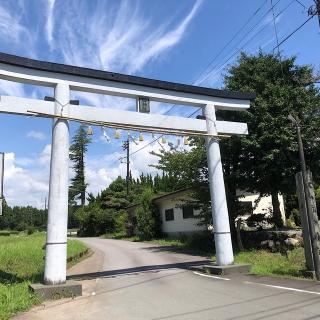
(293, 32)
(225, 46)
(233, 37)
(275, 26)
(301, 4)
(220, 66)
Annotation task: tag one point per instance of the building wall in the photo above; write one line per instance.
(265, 204)
(179, 224)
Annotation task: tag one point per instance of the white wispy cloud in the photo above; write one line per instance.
(38, 135)
(50, 21)
(121, 39)
(11, 29)
(115, 36)
(11, 88)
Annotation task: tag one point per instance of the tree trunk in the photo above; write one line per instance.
(239, 241)
(83, 191)
(277, 217)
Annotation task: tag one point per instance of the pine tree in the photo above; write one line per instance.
(78, 148)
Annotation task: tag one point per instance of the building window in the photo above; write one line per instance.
(169, 214)
(187, 212)
(245, 207)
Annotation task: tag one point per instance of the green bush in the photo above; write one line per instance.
(121, 221)
(94, 221)
(147, 217)
(30, 230)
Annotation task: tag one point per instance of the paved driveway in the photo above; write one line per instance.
(128, 280)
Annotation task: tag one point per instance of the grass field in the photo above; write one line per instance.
(22, 263)
(268, 263)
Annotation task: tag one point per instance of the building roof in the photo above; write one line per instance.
(117, 77)
(163, 196)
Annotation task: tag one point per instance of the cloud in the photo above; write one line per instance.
(50, 21)
(103, 169)
(11, 30)
(159, 43)
(32, 186)
(45, 156)
(11, 88)
(38, 135)
(120, 39)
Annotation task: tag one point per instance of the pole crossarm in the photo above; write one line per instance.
(128, 120)
(49, 74)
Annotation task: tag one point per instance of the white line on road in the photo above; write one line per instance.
(283, 288)
(210, 276)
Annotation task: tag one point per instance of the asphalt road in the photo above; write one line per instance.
(128, 280)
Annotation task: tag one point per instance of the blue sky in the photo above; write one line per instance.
(174, 40)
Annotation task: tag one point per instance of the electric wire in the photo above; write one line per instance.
(233, 37)
(301, 4)
(275, 27)
(224, 47)
(293, 32)
(218, 67)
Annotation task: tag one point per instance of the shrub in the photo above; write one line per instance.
(121, 221)
(147, 217)
(94, 221)
(30, 230)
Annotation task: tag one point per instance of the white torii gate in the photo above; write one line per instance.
(64, 78)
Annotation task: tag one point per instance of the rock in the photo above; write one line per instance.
(267, 244)
(292, 243)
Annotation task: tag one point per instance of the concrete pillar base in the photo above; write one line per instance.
(69, 289)
(224, 270)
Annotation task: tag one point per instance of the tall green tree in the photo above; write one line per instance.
(78, 148)
(266, 160)
(267, 157)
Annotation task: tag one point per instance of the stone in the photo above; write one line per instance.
(292, 243)
(268, 244)
(69, 289)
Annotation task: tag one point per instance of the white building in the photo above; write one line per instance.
(177, 217)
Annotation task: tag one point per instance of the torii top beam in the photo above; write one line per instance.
(48, 74)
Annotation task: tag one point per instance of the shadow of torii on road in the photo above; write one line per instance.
(136, 270)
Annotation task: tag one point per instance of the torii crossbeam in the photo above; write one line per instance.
(64, 78)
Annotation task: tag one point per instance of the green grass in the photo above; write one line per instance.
(263, 262)
(274, 264)
(22, 263)
(161, 242)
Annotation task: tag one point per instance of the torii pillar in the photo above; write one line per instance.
(56, 245)
(221, 225)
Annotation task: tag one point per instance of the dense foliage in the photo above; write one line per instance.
(22, 218)
(147, 216)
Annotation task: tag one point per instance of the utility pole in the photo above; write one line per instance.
(315, 9)
(318, 9)
(313, 237)
(126, 146)
(1, 180)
